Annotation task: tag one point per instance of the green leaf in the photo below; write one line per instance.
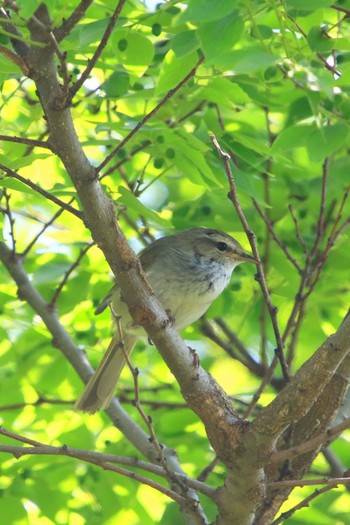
(27, 7)
(224, 91)
(16, 185)
(52, 271)
(92, 32)
(324, 141)
(307, 5)
(12, 511)
(341, 43)
(247, 60)
(207, 11)
(245, 184)
(292, 137)
(127, 198)
(193, 150)
(116, 85)
(174, 70)
(7, 66)
(230, 30)
(138, 51)
(184, 43)
(318, 40)
(22, 161)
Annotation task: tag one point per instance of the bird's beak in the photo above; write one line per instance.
(243, 257)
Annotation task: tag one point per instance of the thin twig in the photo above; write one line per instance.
(320, 221)
(299, 299)
(298, 234)
(276, 238)
(18, 437)
(246, 358)
(295, 330)
(311, 273)
(18, 41)
(233, 196)
(10, 218)
(304, 503)
(44, 228)
(96, 458)
(128, 157)
(155, 405)
(14, 58)
(311, 444)
(333, 237)
(41, 191)
(321, 263)
(191, 112)
(220, 119)
(341, 8)
(104, 40)
(147, 419)
(328, 66)
(266, 380)
(291, 483)
(266, 257)
(339, 215)
(68, 273)
(65, 451)
(29, 142)
(62, 57)
(207, 330)
(208, 470)
(62, 31)
(40, 401)
(149, 115)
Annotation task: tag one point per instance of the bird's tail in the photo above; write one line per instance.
(99, 390)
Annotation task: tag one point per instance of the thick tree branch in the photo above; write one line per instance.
(301, 393)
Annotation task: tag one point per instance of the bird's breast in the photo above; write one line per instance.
(188, 295)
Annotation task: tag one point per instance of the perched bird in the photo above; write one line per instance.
(188, 271)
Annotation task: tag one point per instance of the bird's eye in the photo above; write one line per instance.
(221, 246)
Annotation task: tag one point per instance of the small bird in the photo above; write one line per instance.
(187, 271)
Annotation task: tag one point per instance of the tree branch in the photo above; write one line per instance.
(149, 115)
(29, 142)
(71, 269)
(97, 458)
(233, 196)
(104, 40)
(333, 482)
(44, 228)
(306, 386)
(62, 31)
(41, 191)
(311, 444)
(304, 503)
